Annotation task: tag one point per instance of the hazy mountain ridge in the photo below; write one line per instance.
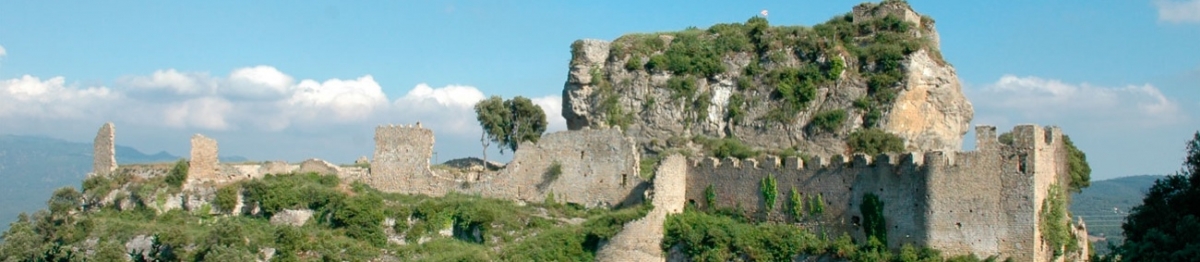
(1096, 205)
(33, 166)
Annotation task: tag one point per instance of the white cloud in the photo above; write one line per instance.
(448, 109)
(205, 113)
(1178, 11)
(29, 96)
(2, 51)
(553, 107)
(172, 82)
(339, 100)
(1038, 99)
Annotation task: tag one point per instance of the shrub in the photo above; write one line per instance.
(178, 174)
(795, 204)
(727, 147)
(634, 63)
(874, 141)
(682, 87)
(554, 171)
(817, 207)
(646, 166)
(226, 199)
(828, 121)
(710, 197)
(769, 191)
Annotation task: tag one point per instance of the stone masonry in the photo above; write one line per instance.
(594, 168)
(982, 202)
(203, 164)
(104, 157)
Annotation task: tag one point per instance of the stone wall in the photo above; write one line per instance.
(595, 168)
(203, 163)
(104, 157)
(983, 202)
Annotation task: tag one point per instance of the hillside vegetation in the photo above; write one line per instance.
(350, 222)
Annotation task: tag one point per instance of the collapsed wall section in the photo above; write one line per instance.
(401, 162)
(593, 167)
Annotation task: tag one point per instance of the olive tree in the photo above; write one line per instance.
(509, 122)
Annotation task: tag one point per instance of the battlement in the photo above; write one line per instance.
(771, 162)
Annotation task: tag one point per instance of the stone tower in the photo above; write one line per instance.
(104, 160)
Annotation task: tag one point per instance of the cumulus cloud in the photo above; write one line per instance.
(553, 107)
(1178, 11)
(1050, 100)
(53, 98)
(447, 109)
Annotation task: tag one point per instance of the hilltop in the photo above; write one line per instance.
(774, 88)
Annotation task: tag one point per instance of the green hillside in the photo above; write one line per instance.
(1105, 204)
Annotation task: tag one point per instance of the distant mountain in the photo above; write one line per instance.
(32, 167)
(1105, 204)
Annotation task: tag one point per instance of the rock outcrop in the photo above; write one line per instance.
(633, 83)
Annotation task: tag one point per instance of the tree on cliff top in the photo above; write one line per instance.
(509, 122)
(1166, 227)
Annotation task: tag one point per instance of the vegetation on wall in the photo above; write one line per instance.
(1055, 223)
(873, 141)
(874, 225)
(770, 192)
(828, 121)
(1079, 170)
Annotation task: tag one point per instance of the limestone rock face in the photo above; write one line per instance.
(929, 111)
(291, 217)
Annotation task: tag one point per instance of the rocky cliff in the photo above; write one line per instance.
(774, 87)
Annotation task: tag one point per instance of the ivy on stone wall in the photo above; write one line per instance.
(1055, 223)
(874, 225)
(769, 192)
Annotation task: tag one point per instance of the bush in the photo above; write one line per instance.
(634, 63)
(226, 199)
(796, 205)
(1079, 169)
(769, 191)
(727, 147)
(874, 141)
(682, 87)
(178, 174)
(828, 121)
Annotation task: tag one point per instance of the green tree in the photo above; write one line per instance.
(1080, 171)
(63, 201)
(509, 122)
(1166, 226)
(21, 242)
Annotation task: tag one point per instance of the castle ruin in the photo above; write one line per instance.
(982, 202)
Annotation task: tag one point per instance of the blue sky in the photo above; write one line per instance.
(296, 79)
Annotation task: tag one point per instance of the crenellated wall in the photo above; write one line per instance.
(983, 202)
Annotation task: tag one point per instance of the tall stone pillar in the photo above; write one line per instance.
(104, 160)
